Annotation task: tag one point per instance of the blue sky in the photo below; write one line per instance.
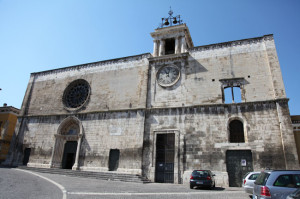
(43, 35)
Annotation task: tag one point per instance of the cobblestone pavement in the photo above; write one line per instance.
(78, 187)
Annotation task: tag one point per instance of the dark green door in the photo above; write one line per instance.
(114, 156)
(238, 163)
(165, 151)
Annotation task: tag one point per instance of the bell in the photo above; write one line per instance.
(166, 22)
(175, 21)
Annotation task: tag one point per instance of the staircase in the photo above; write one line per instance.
(88, 174)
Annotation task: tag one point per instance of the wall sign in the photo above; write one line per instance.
(243, 162)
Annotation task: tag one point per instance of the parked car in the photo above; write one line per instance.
(276, 184)
(248, 181)
(294, 195)
(202, 178)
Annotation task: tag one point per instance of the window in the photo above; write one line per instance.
(232, 89)
(297, 180)
(200, 173)
(232, 95)
(170, 46)
(72, 132)
(262, 178)
(236, 131)
(76, 94)
(253, 176)
(284, 181)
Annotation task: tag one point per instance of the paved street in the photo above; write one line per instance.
(16, 183)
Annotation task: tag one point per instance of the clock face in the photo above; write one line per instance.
(168, 75)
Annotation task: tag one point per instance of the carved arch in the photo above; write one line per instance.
(70, 129)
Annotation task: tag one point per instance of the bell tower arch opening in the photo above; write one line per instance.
(170, 46)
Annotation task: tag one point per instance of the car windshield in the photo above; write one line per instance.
(246, 175)
(262, 178)
(200, 173)
(253, 176)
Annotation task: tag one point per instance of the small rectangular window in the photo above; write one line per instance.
(232, 95)
(228, 95)
(237, 94)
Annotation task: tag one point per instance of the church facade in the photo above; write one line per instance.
(220, 107)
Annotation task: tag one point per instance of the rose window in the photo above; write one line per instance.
(76, 94)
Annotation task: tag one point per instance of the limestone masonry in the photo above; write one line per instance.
(221, 107)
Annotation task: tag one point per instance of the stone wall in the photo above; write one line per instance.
(204, 137)
(254, 61)
(102, 132)
(115, 85)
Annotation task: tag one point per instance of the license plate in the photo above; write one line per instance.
(199, 182)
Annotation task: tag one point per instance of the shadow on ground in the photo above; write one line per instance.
(214, 189)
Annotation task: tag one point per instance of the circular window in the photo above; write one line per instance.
(76, 94)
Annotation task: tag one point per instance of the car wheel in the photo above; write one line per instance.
(191, 186)
(213, 186)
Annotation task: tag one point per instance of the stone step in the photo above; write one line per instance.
(89, 174)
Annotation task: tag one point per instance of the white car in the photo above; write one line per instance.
(248, 181)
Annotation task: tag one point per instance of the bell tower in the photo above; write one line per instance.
(173, 37)
(172, 41)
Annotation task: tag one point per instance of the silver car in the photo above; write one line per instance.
(248, 181)
(276, 184)
(294, 195)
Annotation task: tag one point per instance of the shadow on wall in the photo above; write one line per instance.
(83, 149)
(194, 67)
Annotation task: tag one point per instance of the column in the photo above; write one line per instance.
(155, 48)
(75, 166)
(183, 45)
(54, 146)
(177, 49)
(161, 47)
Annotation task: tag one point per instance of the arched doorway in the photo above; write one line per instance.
(66, 149)
(69, 155)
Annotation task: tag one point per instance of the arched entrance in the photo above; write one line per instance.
(69, 156)
(66, 149)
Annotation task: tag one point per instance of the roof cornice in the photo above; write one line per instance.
(232, 43)
(9, 109)
(93, 64)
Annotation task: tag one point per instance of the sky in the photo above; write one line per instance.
(47, 34)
